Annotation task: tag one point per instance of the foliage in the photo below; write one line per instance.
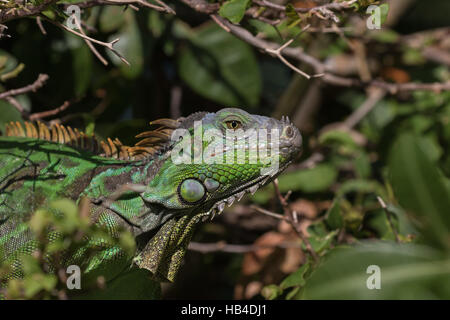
(417, 193)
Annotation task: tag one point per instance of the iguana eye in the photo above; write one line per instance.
(191, 190)
(233, 124)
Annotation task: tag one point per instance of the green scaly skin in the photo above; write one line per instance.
(142, 196)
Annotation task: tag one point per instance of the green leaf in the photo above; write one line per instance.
(316, 179)
(413, 56)
(293, 293)
(337, 137)
(334, 217)
(127, 243)
(384, 35)
(220, 67)
(234, 10)
(293, 16)
(407, 272)
(9, 62)
(271, 292)
(384, 8)
(361, 186)
(296, 278)
(420, 187)
(320, 244)
(362, 165)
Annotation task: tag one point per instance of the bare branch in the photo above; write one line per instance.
(40, 81)
(277, 53)
(25, 11)
(89, 43)
(49, 113)
(17, 105)
(237, 248)
(41, 27)
(328, 77)
(202, 6)
(323, 8)
(108, 45)
(269, 213)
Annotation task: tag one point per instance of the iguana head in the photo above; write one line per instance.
(217, 157)
(213, 160)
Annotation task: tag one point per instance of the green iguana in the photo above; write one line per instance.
(143, 188)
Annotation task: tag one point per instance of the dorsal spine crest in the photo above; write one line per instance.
(152, 143)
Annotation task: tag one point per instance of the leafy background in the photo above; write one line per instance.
(180, 64)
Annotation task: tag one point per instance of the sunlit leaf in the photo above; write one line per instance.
(234, 10)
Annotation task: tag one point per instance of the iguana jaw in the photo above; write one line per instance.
(248, 188)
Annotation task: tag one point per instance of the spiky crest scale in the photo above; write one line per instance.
(152, 142)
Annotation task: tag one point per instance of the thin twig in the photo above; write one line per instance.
(288, 212)
(41, 27)
(329, 6)
(320, 68)
(269, 213)
(49, 113)
(17, 105)
(277, 52)
(389, 217)
(94, 3)
(108, 45)
(89, 43)
(27, 10)
(237, 248)
(40, 81)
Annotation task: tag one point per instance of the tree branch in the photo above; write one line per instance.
(40, 81)
(328, 77)
(236, 248)
(328, 6)
(108, 45)
(7, 14)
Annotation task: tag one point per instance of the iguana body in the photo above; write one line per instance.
(141, 188)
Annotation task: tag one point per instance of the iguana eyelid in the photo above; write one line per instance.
(231, 118)
(233, 124)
